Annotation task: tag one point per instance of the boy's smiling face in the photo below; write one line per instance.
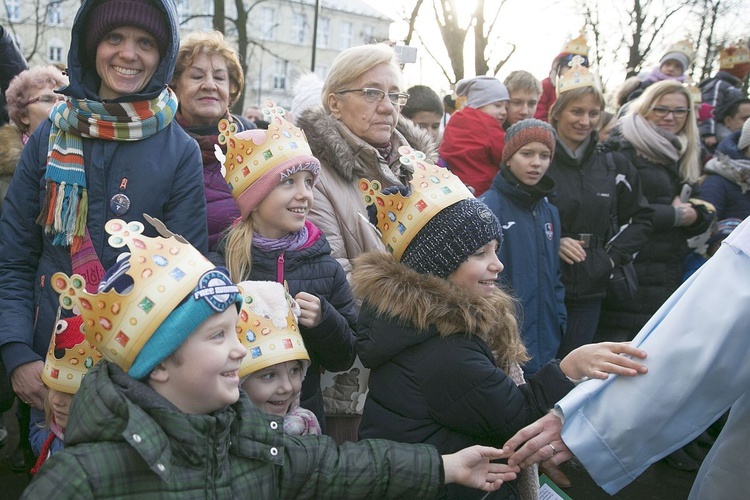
(201, 376)
(275, 388)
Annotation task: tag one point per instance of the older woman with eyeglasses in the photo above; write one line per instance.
(29, 98)
(659, 135)
(356, 134)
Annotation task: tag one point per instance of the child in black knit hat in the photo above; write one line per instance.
(438, 334)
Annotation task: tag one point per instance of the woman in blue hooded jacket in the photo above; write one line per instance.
(111, 150)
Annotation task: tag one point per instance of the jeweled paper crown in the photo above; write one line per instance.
(268, 326)
(733, 55)
(164, 270)
(684, 47)
(578, 45)
(247, 160)
(65, 367)
(578, 76)
(400, 217)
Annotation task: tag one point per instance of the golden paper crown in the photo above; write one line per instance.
(268, 326)
(684, 47)
(247, 160)
(66, 372)
(400, 218)
(694, 90)
(164, 271)
(733, 55)
(578, 46)
(578, 76)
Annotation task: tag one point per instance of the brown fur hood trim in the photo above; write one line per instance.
(328, 146)
(11, 145)
(423, 300)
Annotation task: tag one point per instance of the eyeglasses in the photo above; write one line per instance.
(46, 99)
(376, 95)
(663, 111)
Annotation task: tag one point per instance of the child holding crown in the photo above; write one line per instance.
(163, 416)
(439, 336)
(69, 357)
(271, 174)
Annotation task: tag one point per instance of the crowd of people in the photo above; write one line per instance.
(368, 295)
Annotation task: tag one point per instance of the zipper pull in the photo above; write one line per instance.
(280, 268)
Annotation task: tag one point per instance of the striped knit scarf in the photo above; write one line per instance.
(65, 206)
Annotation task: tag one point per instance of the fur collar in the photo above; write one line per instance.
(11, 145)
(423, 300)
(328, 145)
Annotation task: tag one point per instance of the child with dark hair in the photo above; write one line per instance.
(425, 109)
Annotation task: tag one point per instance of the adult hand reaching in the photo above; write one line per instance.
(538, 442)
(28, 385)
(599, 360)
(471, 467)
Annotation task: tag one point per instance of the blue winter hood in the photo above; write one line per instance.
(84, 81)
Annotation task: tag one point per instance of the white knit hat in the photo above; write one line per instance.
(306, 92)
(744, 136)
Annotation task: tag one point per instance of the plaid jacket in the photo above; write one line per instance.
(126, 441)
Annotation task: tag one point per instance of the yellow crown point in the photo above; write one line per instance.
(399, 217)
(733, 55)
(577, 45)
(164, 271)
(64, 368)
(578, 76)
(252, 153)
(684, 47)
(267, 326)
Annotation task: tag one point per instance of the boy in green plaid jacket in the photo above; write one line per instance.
(162, 416)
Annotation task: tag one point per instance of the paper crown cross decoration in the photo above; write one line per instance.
(733, 55)
(684, 47)
(399, 217)
(267, 326)
(578, 76)
(577, 46)
(69, 357)
(165, 270)
(248, 159)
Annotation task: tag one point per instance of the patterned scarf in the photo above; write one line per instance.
(650, 141)
(65, 208)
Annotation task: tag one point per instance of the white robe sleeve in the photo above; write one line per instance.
(698, 346)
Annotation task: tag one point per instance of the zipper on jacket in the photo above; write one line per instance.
(41, 293)
(280, 268)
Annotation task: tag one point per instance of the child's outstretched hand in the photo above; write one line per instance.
(472, 467)
(311, 314)
(599, 360)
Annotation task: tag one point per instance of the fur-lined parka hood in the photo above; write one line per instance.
(328, 145)
(430, 306)
(11, 145)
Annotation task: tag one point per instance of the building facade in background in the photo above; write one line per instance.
(280, 35)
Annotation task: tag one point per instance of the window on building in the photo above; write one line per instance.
(324, 28)
(299, 23)
(208, 8)
(55, 51)
(268, 23)
(13, 9)
(183, 12)
(368, 34)
(54, 13)
(279, 74)
(321, 72)
(347, 33)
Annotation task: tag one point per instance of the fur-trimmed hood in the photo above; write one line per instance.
(11, 145)
(324, 136)
(432, 306)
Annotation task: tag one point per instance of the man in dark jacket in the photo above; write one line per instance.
(12, 62)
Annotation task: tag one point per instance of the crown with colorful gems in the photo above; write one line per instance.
(400, 218)
(733, 55)
(246, 160)
(164, 271)
(578, 76)
(578, 45)
(70, 356)
(267, 326)
(684, 47)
